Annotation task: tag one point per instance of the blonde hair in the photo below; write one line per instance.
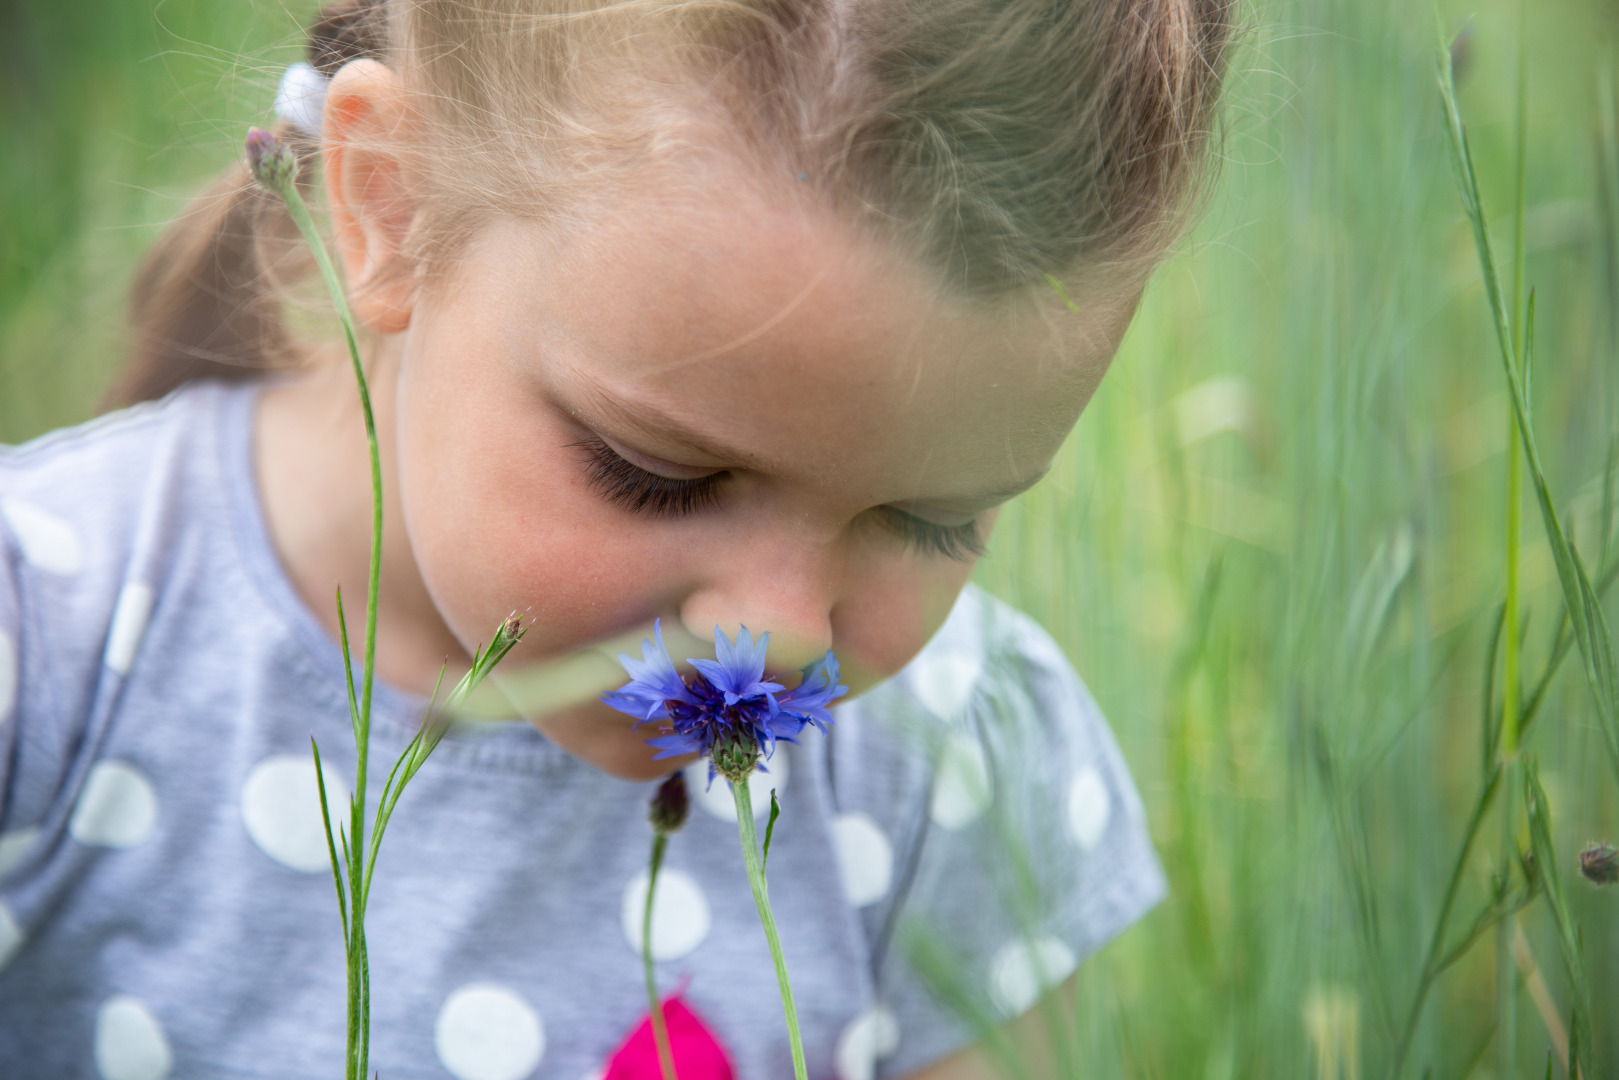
(997, 141)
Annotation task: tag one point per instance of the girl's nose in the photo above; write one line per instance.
(788, 597)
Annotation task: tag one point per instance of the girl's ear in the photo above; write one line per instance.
(366, 138)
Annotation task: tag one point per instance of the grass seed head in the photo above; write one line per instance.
(1600, 864)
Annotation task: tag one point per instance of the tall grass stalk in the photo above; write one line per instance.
(1583, 608)
(1590, 623)
(1506, 939)
(274, 166)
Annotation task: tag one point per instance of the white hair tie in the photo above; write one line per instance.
(300, 100)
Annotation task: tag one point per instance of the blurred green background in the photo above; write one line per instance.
(1274, 546)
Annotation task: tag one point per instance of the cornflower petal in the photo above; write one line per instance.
(654, 682)
(645, 710)
(733, 690)
(728, 701)
(738, 667)
(655, 670)
(744, 656)
(808, 700)
(674, 746)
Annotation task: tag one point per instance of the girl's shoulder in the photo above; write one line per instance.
(107, 452)
(78, 503)
(67, 496)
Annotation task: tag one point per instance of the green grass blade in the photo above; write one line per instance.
(348, 665)
(430, 733)
(1431, 968)
(1568, 935)
(1492, 716)
(770, 827)
(385, 808)
(1596, 647)
(1519, 248)
(331, 845)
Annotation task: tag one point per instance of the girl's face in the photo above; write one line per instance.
(716, 407)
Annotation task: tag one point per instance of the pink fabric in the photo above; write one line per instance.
(697, 1054)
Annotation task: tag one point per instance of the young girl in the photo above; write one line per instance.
(717, 312)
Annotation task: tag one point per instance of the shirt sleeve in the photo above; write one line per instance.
(1024, 848)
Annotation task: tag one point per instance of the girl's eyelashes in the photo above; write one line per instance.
(626, 484)
(963, 543)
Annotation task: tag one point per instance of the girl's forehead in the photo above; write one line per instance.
(788, 338)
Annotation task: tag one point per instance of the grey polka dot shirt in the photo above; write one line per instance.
(166, 906)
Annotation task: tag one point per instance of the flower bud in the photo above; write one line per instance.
(735, 757)
(670, 805)
(271, 161)
(1600, 864)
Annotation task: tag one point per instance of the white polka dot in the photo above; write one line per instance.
(872, 1035)
(961, 786)
(487, 1032)
(886, 1026)
(117, 807)
(281, 809)
(598, 1073)
(14, 845)
(47, 541)
(1088, 808)
(130, 1044)
(680, 916)
(128, 625)
(11, 935)
(8, 675)
(718, 801)
(865, 858)
(1022, 970)
(945, 680)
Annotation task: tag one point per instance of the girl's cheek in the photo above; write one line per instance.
(896, 602)
(544, 548)
(900, 600)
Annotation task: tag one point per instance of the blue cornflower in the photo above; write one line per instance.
(728, 706)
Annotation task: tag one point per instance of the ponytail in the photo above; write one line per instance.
(205, 303)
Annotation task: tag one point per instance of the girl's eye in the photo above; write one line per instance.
(625, 484)
(963, 543)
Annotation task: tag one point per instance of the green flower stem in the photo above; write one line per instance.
(660, 1030)
(761, 899)
(359, 1026)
